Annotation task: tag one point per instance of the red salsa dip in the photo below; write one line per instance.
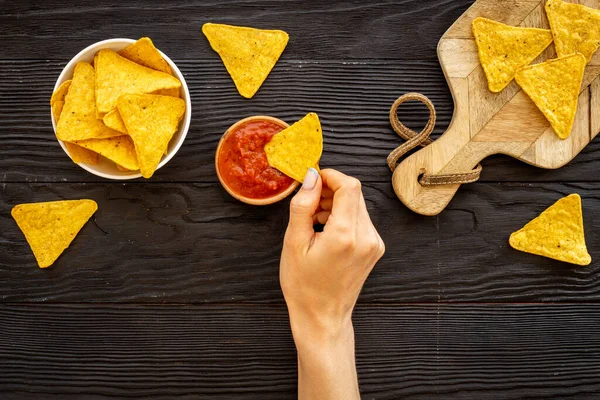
(243, 163)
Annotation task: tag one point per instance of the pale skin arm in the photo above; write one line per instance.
(321, 277)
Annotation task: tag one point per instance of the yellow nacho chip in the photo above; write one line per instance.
(50, 227)
(576, 28)
(61, 92)
(151, 121)
(78, 154)
(296, 149)
(554, 87)
(175, 92)
(114, 121)
(503, 49)
(123, 168)
(144, 53)
(78, 118)
(116, 76)
(118, 149)
(556, 233)
(249, 54)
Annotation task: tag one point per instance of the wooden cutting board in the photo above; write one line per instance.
(486, 123)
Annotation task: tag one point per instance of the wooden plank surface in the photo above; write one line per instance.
(246, 352)
(193, 243)
(163, 295)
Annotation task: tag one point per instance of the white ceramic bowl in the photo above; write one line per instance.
(106, 168)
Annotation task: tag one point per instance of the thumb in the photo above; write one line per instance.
(302, 208)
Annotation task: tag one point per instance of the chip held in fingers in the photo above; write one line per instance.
(503, 49)
(50, 227)
(296, 149)
(556, 233)
(249, 54)
(151, 121)
(576, 28)
(554, 87)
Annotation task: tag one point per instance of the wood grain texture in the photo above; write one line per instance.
(498, 123)
(193, 243)
(246, 352)
(352, 99)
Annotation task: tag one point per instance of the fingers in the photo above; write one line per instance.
(302, 208)
(326, 204)
(321, 217)
(346, 198)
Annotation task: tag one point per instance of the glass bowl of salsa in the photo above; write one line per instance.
(242, 165)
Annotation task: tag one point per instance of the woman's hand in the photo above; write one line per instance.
(321, 277)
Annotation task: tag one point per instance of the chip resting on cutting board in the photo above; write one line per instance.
(249, 54)
(144, 53)
(78, 117)
(117, 76)
(557, 233)
(296, 149)
(576, 28)
(151, 121)
(554, 87)
(503, 49)
(50, 227)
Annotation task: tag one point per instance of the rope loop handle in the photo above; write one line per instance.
(414, 139)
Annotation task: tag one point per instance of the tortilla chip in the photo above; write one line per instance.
(114, 121)
(296, 149)
(144, 53)
(57, 108)
(119, 149)
(117, 76)
(78, 118)
(576, 28)
(61, 92)
(151, 121)
(123, 169)
(554, 87)
(503, 49)
(78, 154)
(557, 233)
(51, 227)
(248, 54)
(168, 92)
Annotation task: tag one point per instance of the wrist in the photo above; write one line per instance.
(319, 333)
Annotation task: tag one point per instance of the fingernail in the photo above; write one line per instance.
(310, 179)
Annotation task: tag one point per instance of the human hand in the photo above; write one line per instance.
(322, 273)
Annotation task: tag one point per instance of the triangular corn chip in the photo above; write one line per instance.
(151, 121)
(554, 87)
(78, 118)
(51, 227)
(503, 49)
(296, 149)
(144, 53)
(557, 233)
(118, 149)
(249, 54)
(116, 76)
(168, 92)
(61, 92)
(114, 121)
(576, 28)
(78, 154)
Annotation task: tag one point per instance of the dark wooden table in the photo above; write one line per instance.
(173, 289)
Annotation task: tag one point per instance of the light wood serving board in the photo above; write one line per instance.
(486, 123)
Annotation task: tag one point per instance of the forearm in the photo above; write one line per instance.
(326, 363)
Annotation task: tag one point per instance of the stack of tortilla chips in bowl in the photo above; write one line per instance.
(121, 109)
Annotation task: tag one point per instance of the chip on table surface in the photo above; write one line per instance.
(151, 121)
(78, 117)
(554, 87)
(576, 28)
(249, 54)
(503, 49)
(144, 53)
(117, 76)
(297, 148)
(556, 233)
(50, 227)
(119, 149)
